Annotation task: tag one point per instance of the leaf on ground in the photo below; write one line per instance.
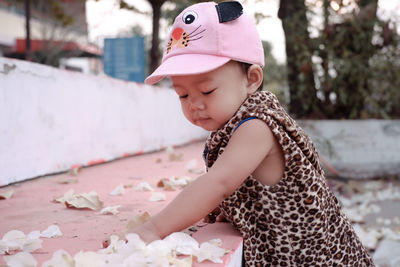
(144, 186)
(134, 252)
(21, 259)
(175, 157)
(174, 182)
(211, 251)
(6, 194)
(60, 258)
(138, 220)
(89, 258)
(110, 210)
(166, 185)
(16, 240)
(157, 196)
(185, 262)
(182, 243)
(51, 232)
(172, 155)
(81, 201)
(118, 191)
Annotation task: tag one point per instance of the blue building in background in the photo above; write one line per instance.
(124, 58)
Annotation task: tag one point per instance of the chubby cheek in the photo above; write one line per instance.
(186, 112)
(223, 112)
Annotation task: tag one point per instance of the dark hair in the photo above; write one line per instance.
(245, 67)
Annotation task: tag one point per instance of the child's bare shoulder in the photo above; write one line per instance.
(271, 167)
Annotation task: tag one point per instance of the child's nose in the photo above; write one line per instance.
(196, 104)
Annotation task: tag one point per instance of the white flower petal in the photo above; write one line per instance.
(185, 262)
(118, 191)
(143, 186)
(84, 200)
(32, 244)
(113, 246)
(14, 239)
(135, 241)
(89, 258)
(6, 194)
(210, 251)
(183, 243)
(21, 259)
(60, 258)
(51, 231)
(110, 210)
(3, 247)
(157, 196)
(159, 247)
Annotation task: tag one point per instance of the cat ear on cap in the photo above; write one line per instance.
(228, 11)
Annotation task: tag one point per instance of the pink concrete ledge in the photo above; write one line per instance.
(32, 207)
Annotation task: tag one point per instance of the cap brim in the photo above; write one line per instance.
(186, 64)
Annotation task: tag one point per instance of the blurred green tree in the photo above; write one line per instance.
(350, 70)
(303, 101)
(357, 51)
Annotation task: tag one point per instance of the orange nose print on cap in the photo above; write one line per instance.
(176, 34)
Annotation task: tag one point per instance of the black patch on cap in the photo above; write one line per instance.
(228, 11)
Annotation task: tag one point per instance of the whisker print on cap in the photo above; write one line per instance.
(196, 38)
(195, 30)
(197, 34)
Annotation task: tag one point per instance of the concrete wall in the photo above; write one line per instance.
(358, 148)
(51, 120)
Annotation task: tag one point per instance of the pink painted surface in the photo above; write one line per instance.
(32, 207)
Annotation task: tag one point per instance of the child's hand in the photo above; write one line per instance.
(146, 231)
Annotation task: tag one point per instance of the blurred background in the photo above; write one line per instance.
(72, 93)
(325, 59)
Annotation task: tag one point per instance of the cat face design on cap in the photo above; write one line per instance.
(180, 38)
(189, 26)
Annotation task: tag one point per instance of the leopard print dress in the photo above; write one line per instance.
(298, 221)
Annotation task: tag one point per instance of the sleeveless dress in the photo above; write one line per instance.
(298, 221)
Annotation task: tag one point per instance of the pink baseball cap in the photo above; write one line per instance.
(207, 35)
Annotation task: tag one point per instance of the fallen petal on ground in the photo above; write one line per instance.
(51, 232)
(21, 259)
(157, 196)
(110, 210)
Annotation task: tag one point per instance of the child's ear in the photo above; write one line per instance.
(254, 78)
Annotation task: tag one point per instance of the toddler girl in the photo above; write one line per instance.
(263, 171)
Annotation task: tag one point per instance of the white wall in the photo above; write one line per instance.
(358, 148)
(52, 119)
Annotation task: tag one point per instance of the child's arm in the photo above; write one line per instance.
(249, 145)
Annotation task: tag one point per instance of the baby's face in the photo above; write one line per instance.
(210, 99)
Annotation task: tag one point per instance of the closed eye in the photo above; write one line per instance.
(183, 96)
(209, 92)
